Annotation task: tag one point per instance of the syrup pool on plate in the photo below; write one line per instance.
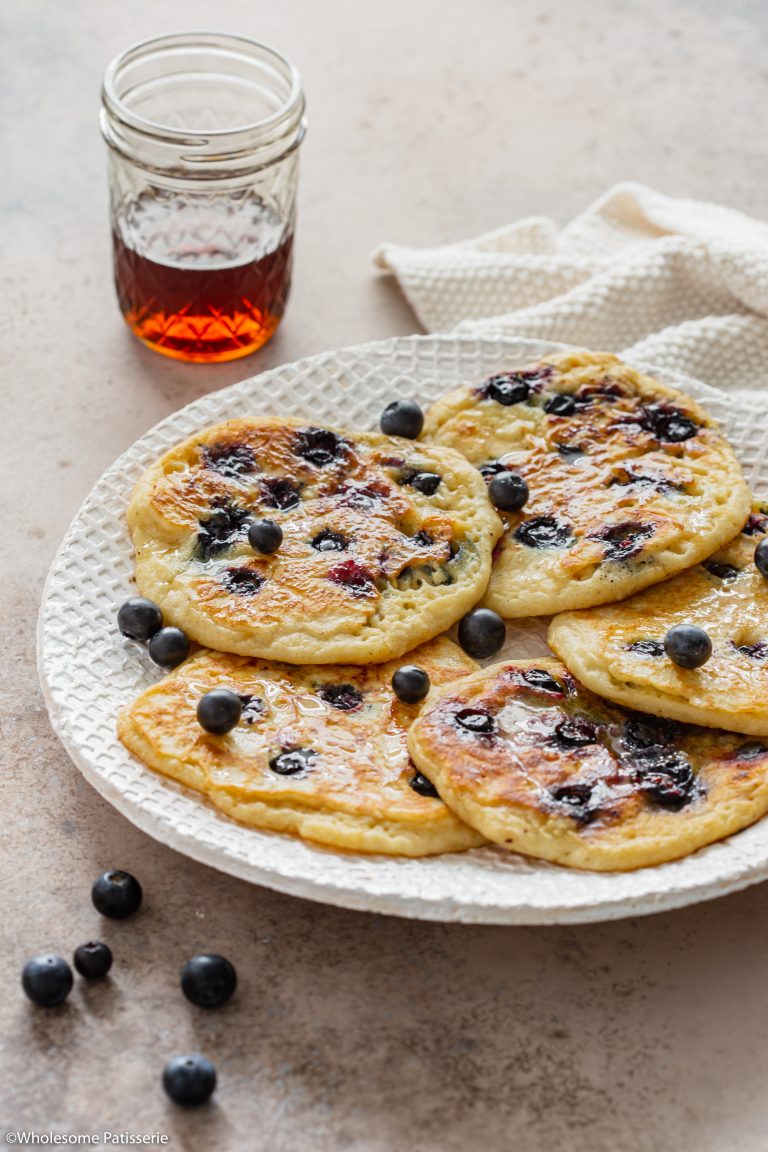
(202, 280)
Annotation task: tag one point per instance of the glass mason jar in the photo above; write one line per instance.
(203, 132)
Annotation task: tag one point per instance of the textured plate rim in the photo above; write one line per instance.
(733, 875)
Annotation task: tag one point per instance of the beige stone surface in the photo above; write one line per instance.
(430, 120)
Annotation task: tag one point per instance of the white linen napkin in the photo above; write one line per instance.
(679, 284)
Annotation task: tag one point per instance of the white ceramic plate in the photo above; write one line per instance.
(88, 671)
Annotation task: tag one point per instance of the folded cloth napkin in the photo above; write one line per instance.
(678, 284)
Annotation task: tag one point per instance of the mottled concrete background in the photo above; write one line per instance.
(430, 120)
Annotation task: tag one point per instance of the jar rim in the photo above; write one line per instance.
(284, 127)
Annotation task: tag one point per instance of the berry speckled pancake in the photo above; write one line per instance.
(629, 480)
(539, 765)
(320, 751)
(617, 650)
(386, 542)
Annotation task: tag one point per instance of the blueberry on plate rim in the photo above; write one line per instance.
(482, 633)
(265, 536)
(687, 646)
(209, 980)
(410, 683)
(116, 894)
(47, 980)
(219, 711)
(93, 960)
(169, 647)
(139, 618)
(189, 1080)
(402, 418)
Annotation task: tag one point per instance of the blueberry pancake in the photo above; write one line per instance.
(617, 650)
(320, 751)
(628, 480)
(385, 543)
(538, 764)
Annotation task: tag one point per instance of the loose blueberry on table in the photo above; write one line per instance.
(508, 491)
(208, 981)
(116, 894)
(47, 980)
(219, 711)
(482, 633)
(169, 647)
(189, 1080)
(402, 418)
(93, 960)
(410, 684)
(265, 536)
(687, 646)
(139, 618)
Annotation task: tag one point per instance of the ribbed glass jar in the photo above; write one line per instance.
(203, 132)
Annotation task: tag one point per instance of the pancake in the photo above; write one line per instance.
(630, 481)
(540, 765)
(370, 565)
(617, 650)
(347, 782)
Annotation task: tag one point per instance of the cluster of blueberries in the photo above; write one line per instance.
(207, 981)
(481, 635)
(508, 490)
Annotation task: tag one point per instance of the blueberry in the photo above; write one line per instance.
(265, 536)
(353, 576)
(646, 647)
(724, 571)
(230, 460)
(402, 418)
(542, 681)
(481, 633)
(345, 697)
(224, 527)
(219, 711)
(93, 960)
(544, 532)
(426, 482)
(292, 761)
(423, 786)
(279, 492)
(576, 732)
(208, 981)
(139, 618)
(561, 405)
(761, 557)
(241, 581)
(47, 980)
(320, 446)
(329, 541)
(189, 1080)
(116, 894)
(169, 647)
(668, 423)
(687, 646)
(477, 720)
(410, 683)
(508, 491)
(514, 387)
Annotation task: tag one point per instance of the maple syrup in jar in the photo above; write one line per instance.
(203, 133)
